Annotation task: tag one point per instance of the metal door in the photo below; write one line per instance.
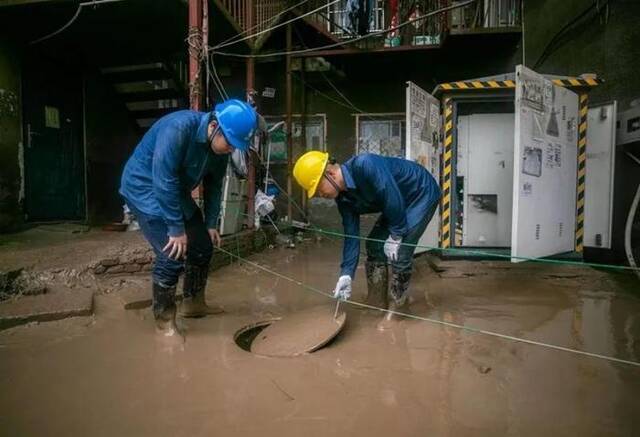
(545, 163)
(423, 146)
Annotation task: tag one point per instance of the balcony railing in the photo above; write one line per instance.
(263, 12)
(345, 20)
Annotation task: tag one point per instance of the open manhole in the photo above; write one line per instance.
(299, 333)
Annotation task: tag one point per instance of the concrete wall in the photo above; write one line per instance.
(10, 138)
(607, 44)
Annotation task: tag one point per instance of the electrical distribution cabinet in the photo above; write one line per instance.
(510, 152)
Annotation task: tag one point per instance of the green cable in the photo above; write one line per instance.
(480, 252)
(471, 251)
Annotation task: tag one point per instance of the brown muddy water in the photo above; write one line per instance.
(109, 375)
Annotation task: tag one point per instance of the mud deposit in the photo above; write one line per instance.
(109, 375)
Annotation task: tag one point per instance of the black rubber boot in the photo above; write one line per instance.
(377, 284)
(398, 300)
(164, 312)
(193, 302)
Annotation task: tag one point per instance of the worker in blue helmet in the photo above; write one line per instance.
(181, 150)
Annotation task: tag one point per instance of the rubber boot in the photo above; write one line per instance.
(164, 312)
(398, 300)
(377, 284)
(193, 302)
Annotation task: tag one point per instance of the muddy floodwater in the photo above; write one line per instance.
(109, 375)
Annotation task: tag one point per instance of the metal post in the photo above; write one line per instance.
(251, 182)
(194, 49)
(289, 125)
(195, 29)
(303, 123)
(205, 48)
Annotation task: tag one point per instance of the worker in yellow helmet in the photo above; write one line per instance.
(405, 194)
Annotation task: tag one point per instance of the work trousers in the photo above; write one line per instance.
(166, 271)
(380, 231)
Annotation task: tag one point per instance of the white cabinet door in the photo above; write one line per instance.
(598, 202)
(423, 146)
(545, 162)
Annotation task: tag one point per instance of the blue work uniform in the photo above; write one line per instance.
(404, 192)
(172, 158)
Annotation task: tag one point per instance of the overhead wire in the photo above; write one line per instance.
(549, 48)
(350, 41)
(73, 19)
(216, 78)
(331, 84)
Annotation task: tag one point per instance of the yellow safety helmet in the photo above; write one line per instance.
(309, 169)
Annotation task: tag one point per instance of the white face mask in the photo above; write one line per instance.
(239, 163)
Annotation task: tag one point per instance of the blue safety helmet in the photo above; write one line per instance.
(238, 122)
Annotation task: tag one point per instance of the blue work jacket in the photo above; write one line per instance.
(172, 158)
(403, 191)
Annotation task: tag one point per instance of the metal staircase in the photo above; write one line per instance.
(150, 90)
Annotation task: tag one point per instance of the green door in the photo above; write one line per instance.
(53, 151)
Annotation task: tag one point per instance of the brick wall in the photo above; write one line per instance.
(139, 258)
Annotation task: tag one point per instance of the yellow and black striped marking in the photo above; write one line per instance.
(447, 171)
(506, 84)
(577, 82)
(582, 170)
(476, 84)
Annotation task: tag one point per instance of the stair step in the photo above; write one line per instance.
(120, 68)
(147, 96)
(153, 113)
(138, 75)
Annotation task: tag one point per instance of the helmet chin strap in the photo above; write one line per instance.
(213, 135)
(332, 182)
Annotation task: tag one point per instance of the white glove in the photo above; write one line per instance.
(343, 288)
(391, 247)
(263, 204)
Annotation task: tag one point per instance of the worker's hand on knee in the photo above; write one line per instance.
(343, 288)
(391, 247)
(215, 237)
(176, 247)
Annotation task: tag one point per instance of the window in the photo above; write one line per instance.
(383, 134)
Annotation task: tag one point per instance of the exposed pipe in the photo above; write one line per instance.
(629, 224)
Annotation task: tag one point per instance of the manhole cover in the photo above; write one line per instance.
(301, 332)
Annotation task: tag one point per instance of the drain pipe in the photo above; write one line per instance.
(629, 224)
